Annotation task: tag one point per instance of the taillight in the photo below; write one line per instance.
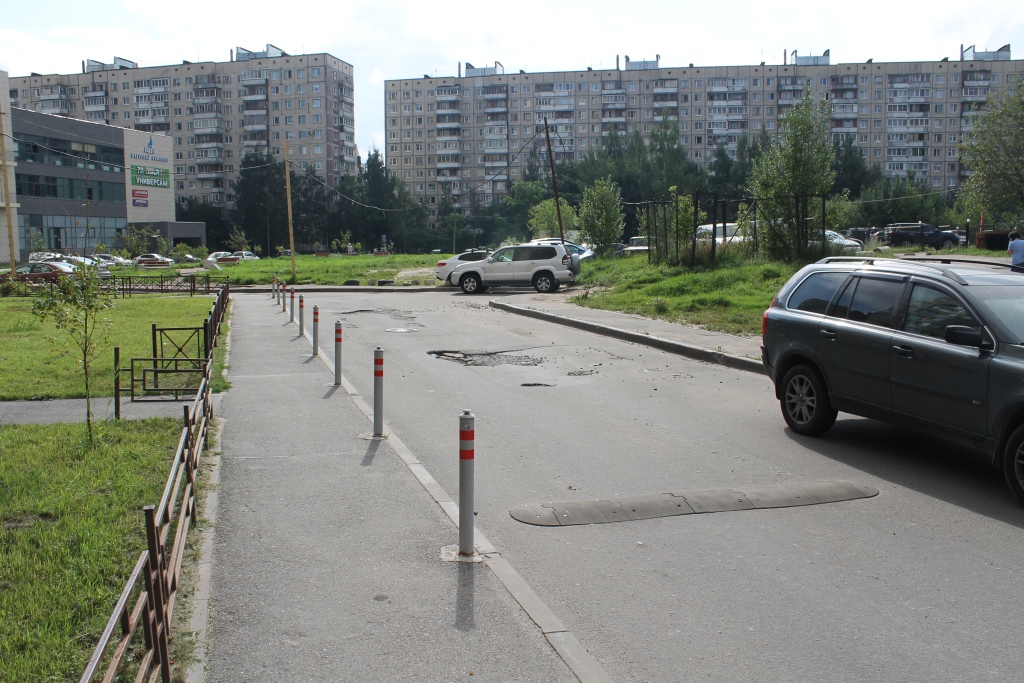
(565, 260)
(764, 318)
(441, 264)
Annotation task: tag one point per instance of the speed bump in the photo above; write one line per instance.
(689, 503)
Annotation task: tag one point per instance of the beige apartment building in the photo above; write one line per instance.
(473, 132)
(215, 112)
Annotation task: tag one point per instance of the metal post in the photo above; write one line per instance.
(316, 330)
(117, 382)
(920, 233)
(337, 353)
(302, 316)
(714, 225)
(467, 448)
(284, 300)
(378, 391)
(273, 287)
(291, 305)
(967, 237)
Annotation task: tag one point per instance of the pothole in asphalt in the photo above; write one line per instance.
(486, 359)
(536, 384)
(581, 373)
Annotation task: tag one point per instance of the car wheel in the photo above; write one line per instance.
(544, 283)
(1013, 463)
(470, 283)
(805, 402)
(947, 244)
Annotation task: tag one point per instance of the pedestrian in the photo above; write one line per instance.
(1016, 252)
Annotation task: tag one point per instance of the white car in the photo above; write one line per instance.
(245, 256)
(583, 252)
(111, 259)
(728, 234)
(153, 261)
(446, 265)
(847, 243)
(545, 267)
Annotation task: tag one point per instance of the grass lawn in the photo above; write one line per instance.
(32, 367)
(70, 532)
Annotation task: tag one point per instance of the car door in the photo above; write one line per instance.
(498, 270)
(934, 382)
(854, 340)
(528, 259)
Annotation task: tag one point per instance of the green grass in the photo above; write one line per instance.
(33, 367)
(70, 532)
(730, 297)
(334, 270)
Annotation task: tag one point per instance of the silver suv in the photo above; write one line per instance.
(545, 267)
(936, 344)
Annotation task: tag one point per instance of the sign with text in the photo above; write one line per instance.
(141, 194)
(140, 202)
(151, 176)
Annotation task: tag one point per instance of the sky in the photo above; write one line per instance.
(399, 39)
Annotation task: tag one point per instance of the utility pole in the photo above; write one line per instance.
(288, 197)
(8, 194)
(554, 181)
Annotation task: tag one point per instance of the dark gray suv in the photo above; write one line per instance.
(936, 344)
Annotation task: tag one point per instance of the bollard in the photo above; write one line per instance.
(378, 391)
(467, 440)
(291, 305)
(337, 353)
(284, 303)
(302, 316)
(316, 330)
(273, 288)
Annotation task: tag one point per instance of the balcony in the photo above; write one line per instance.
(250, 127)
(502, 109)
(152, 119)
(209, 175)
(448, 164)
(622, 119)
(496, 164)
(975, 98)
(253, 78)
(254, 97)
(667, 91)
(148, 91)
(254, 143)
(207, 100)
(657, 119)
(844, 114)
(47, 96)
(95, 107)
(795, 86)
(209, 145)
(207, 115)
(449, 138)
(448, 98)
(448, 124)
(448, 112)
(494, 96)
(94, 93)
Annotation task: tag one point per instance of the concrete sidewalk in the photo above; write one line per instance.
(72, 410)
(743, 353)
(326, 557)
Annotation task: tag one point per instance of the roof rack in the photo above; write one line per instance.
(869, 260)
(946, 259)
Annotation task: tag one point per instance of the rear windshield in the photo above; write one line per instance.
(816, 291)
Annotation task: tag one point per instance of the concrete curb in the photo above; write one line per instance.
(679, 348)
(264, 289)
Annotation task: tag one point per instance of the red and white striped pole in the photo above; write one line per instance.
(378, 391)
(302, 316)
(316, 330)
(291, 305)
(337, 353)
(467, 451)
(273, 288)
(284, 302)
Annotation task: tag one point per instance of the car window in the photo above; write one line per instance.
(930, 311)
(504, 255)
(816, 291)
(874, 301)
(23, 270)
(842, 307)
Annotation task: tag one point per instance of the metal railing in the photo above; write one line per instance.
(138, 631)
(127, 285)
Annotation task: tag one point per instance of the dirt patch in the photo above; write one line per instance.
(426, 275)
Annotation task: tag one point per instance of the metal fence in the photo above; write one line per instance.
(137, 634)
(127, 285)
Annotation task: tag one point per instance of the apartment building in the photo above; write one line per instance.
(473, 132)
(215, 112)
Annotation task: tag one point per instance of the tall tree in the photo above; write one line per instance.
(994, 151)
(194, 210)
(852, 171)
(544, 219)
(260, 209)
(601, 219)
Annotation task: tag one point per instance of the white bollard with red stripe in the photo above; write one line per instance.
(378, 391)
(316, 330)
(337, 353)
(467, 453)
(284, 302)
(302, 316)
(291, 305)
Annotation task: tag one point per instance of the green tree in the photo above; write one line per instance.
(852, 172)
(787, 175)
(994, 151)
(75, 304)
(192, 209)
(237, 241)
(900, 200)
(137, 238)
(260, 207)
(544, 219)
(600, 218)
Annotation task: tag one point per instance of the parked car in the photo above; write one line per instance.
(915, 234)
(113, 260)
(245, 256)
(847, 243)
(637, 245)
(935, 344)
(40, 272)
(863, 235)
(545, 267)
(37, 256)
(446, 265)
(583, 252)
(153, 261)
(727, 233)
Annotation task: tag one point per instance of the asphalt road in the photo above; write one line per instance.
(920, 583)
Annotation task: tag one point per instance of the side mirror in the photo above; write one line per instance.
(961, 335)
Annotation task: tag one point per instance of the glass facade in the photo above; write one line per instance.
(72, 234)
(58, 152)
(52, 187)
